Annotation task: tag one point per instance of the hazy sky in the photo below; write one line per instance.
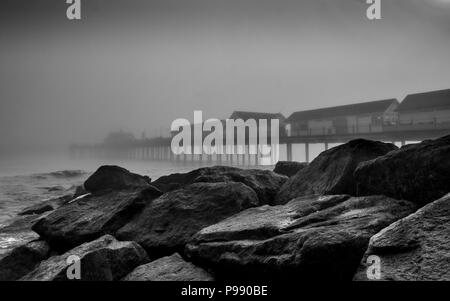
(138, 64)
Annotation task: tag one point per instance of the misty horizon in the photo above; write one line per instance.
(138, 65)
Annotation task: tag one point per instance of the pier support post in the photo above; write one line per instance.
(289, 151)
(258, 154)
(307, 152)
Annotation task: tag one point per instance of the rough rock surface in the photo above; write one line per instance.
(101, 259)
(116, 178)
(170, 268)
(265, 183)
(288, 168)
(415, 248)
(417, 172)
(320, 238)
(92, 216)
(22, 260)
(167, 223)
(332, 171)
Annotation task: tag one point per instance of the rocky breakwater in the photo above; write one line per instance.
(417, 172)
(265, 183)
(115, 196)
(120, 203)
(101, 259)
(416, 247)
(204, 196)
(332, 171)
(165, 225)
(322, 237)
(355, 201)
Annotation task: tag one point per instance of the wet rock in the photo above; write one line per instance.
(47, 205)
(23, 259)
(170, 268)
(104, 259)
(17, 233)
(37, 209)
(167, 223)
(415, 248)
(115, 178)
(289, 168)
(265, 183)
(418, 172)
(92, 216)
(332, 171)
(309, 238)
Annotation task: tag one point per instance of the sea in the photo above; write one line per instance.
(26, 180)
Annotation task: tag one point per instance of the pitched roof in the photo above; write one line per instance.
(352, 109)
(255, 115)
(425, 101)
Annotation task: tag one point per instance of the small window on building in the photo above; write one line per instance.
(377, 120)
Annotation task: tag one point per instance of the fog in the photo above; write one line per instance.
(138, 65)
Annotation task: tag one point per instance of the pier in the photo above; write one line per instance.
(291, 148)
(304, 134)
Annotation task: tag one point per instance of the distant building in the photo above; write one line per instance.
(365, 117)
(245, 115)
(429, 108)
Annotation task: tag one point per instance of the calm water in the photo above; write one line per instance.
(27, 180)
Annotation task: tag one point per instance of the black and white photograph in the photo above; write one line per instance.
(207, 142)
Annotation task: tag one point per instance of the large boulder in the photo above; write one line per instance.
(92, 216)
(104, 259)
(332, 171)
(310, 238)
(289, 168)
(115, 178)
(167, 223)
(264, 182)
(417, 172)
(170, 268)
(22, 260)
(415, 248)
